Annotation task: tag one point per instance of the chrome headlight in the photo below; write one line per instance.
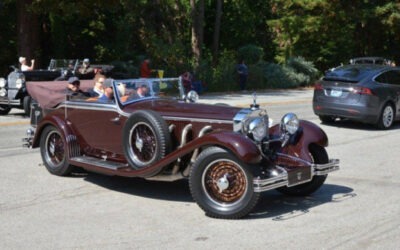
(19, 83)
(2, 82)
(3, 92)
(289, 123)
(256, 128)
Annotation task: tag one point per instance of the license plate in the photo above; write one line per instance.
(299, 175)
(336, 93)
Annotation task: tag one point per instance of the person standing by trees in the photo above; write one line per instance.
(24, 66)
(243, 72)
(145, 70)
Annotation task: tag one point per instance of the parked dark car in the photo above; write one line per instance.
(151, 129)
(361, 92)
(13, 91)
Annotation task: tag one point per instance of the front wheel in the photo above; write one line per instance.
(27, 105)
(319, 156)
(52, 150)
(222, 185)
(386, 117)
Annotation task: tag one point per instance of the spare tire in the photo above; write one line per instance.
(146, 139)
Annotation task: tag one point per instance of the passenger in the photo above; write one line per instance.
(98, 88)
(108, 95)
(24, 66)
(86, 69)
(73, 89)
(141, 92)
(187, 79)
(122, 92)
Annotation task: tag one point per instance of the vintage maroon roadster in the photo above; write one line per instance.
(228, 154)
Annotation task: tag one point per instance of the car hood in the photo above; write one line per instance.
(175, 108)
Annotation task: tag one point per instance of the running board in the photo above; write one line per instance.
(111, 165)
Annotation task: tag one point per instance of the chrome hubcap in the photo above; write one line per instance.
(223, 183)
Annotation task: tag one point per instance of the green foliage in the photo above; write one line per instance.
(305, 71)
(251, 53)
(268, 35)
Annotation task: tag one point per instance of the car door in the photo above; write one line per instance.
(97, 125)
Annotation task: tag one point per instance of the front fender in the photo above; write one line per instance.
(243, 148)
(310, 134)
(71, 145)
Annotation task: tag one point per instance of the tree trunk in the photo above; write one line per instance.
(197, 14)
(28, 44)
(217, 31)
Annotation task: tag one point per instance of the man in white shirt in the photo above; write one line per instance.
(24, 66)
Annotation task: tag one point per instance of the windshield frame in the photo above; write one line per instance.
(150, 83)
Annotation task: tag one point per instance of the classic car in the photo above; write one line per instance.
(229, 155)
(13, 91)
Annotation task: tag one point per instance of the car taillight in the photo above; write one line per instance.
(318, 86)
(362, 91)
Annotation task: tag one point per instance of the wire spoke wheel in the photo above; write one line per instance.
(146, 139)
(53, 151)
(224, 182)
(143, 143)
(222, 185)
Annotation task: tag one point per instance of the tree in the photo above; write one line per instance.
(197, 17)
(217, 28)
(28, 30)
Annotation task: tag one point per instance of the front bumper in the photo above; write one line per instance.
(27, 141)
(10, 102)
(283, 176)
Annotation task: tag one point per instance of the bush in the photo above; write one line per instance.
(304, 72)
(251, 54)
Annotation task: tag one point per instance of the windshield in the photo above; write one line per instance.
(62, 64)
(134, 89)
(351, 73)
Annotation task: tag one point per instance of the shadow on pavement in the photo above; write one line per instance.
(281, 207)
(272, 204)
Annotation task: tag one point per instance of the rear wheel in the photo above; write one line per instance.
(326, 119)
(386, 118)
(319, 156)
(222, 185)
(52, 150)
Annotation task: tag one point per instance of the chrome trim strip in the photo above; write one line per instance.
(191, 119)
(89, 106)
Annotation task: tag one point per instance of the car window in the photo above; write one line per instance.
(390, 77)
(350, 73)
(394, 77)
(382, 78)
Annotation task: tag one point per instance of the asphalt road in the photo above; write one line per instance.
(357, 208)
